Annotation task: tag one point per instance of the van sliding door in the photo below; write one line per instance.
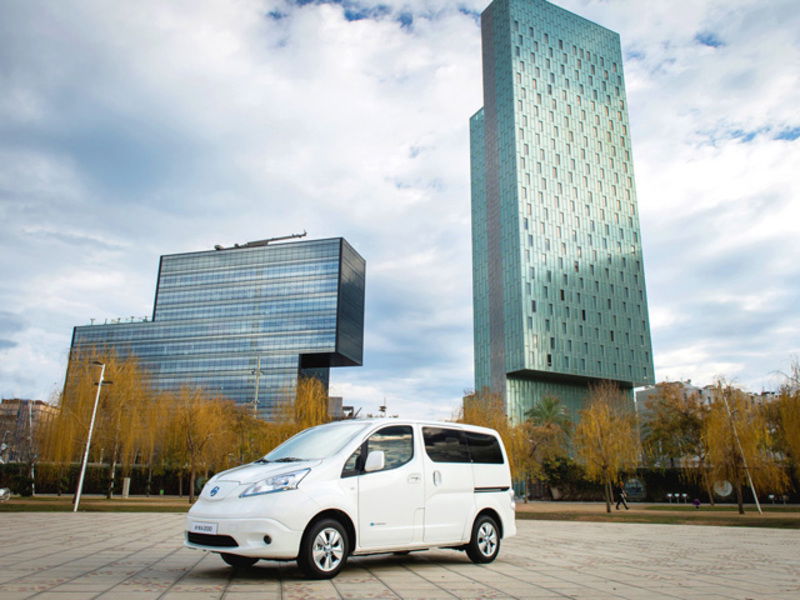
(448, 485)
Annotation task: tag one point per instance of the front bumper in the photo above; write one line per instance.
(248, 535)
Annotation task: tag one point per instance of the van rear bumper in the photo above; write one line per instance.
(257, 538)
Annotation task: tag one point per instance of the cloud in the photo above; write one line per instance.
(128, 131)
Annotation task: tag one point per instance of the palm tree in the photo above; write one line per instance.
(547, 428)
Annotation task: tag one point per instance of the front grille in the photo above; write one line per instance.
(206, 539)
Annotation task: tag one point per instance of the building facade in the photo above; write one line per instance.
(245, 322)
(558, 276)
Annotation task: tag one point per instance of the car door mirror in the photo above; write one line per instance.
(375, 461)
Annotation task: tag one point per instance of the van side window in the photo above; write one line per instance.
(484, 448)
(354, 464)
(397, 443)
(445, 445)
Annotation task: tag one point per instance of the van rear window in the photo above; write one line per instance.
(484, 448)
(456, 446)
(445, 445)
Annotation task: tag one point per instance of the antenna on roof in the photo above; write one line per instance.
(265, 242)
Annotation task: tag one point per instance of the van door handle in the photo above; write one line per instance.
(414, 478)
(437, 477)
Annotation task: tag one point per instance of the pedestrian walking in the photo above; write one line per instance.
(622, 496)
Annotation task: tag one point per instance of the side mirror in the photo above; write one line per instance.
(375, 461)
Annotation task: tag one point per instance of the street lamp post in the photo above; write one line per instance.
(89, 437)
(31, 457)
(257, 372)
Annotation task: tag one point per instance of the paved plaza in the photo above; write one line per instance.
(139, 556)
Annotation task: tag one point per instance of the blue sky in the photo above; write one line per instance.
(131, 130)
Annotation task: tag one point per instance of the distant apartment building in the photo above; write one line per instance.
(245, 322)
(558, 275)
(707, 394)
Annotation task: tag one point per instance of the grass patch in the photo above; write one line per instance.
(12, 507)
(700, 518)
(96, 504)
(717, 508)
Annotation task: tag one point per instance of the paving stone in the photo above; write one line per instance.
(140, 556)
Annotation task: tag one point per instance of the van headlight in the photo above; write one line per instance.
(276, 483)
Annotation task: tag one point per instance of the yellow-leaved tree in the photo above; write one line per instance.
(673, 431)
(309, 408)
(198, 437)
(739, 443)
(546, 433)
(788, 429)
(486, 408)
(606, 438)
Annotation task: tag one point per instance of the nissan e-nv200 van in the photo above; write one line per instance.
(360, 487)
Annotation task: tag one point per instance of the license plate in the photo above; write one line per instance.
(203, 527)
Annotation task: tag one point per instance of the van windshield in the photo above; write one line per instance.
(315, 443)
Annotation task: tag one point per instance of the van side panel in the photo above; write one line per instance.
(449, 486)
(492, 477)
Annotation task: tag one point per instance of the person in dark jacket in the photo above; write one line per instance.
(622, 496)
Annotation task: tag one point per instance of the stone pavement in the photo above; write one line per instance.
(139, 556)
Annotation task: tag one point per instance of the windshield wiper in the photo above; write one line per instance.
(261, 461)
(289, 459)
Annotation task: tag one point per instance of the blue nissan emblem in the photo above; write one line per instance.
(214, 491)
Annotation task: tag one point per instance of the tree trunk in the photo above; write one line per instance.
(607, 489)
(707, 485)
(739, 498)
(180, 484)
(149, 473)
(192, 476)
(111, 473)
(149, 480)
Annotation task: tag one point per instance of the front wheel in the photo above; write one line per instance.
(485, 541)
(235, 560)
(324, 549)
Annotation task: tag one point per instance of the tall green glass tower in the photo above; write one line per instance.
(558, 278)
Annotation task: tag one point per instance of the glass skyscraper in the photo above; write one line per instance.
(558, 279)
(234, 320)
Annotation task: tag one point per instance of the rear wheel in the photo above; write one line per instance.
(485, 542)
(324, 549)
(235, 560)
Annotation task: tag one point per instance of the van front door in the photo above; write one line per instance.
(391, 501)
(449, 486)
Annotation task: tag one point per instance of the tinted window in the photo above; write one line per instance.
(484, 448)
(397, 443)
(445, 445)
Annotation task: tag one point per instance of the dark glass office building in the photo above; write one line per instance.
(246, 322)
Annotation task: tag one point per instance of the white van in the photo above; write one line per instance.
(360, 487)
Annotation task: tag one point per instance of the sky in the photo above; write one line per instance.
(129, 130)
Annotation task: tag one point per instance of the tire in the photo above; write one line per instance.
(235, 560)
(484, 544)
(324, 549)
